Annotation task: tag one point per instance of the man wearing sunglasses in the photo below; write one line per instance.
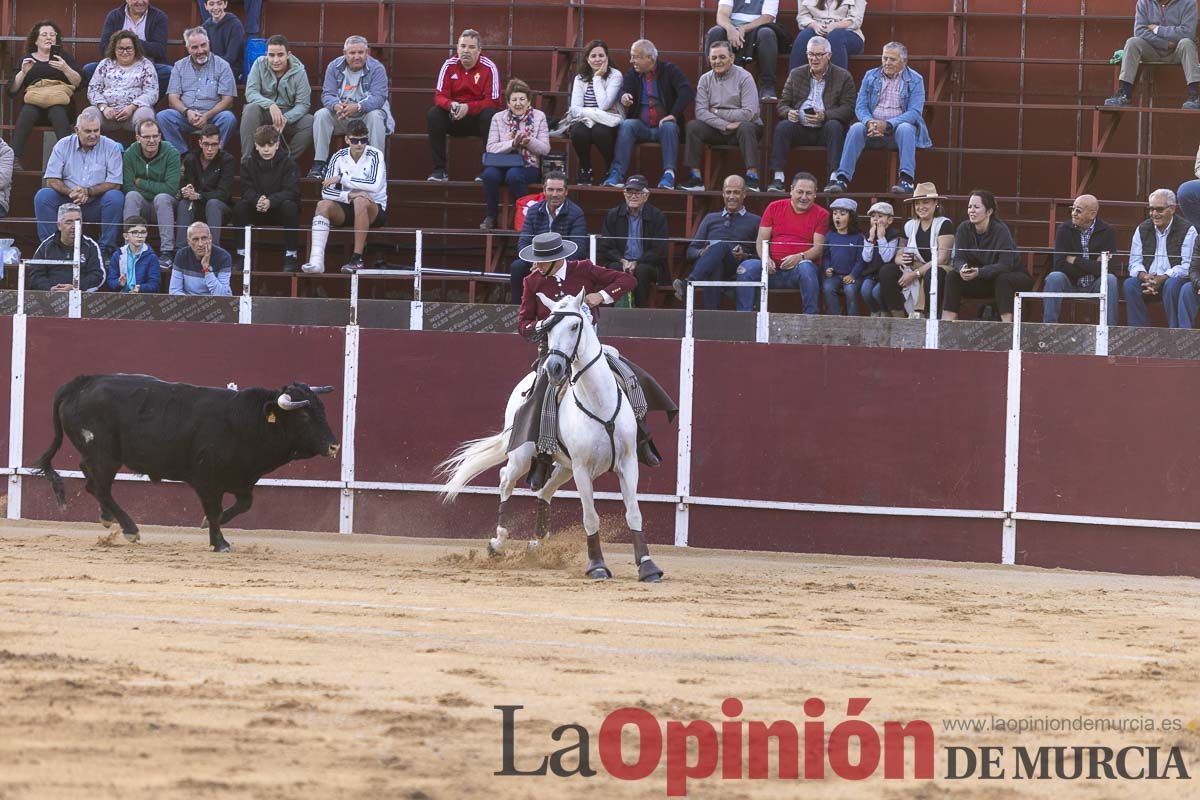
(1077, 248)
(354, 192)
(1159, 257)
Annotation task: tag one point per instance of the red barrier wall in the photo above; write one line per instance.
(791, 423)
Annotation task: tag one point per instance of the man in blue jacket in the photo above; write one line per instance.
(890, 108)
(150, 25)
(555, 214)
(657, 94)
(356, 87)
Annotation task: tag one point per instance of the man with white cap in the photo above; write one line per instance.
(556, 276)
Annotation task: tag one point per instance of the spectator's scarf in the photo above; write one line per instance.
(524, 124)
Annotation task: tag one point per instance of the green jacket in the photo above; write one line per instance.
(159, 176)
(292, 93)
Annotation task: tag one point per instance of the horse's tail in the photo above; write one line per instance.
(470, 459)
(43, 464)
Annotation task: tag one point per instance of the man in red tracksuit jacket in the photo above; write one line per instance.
(467, 95)
(556, 277)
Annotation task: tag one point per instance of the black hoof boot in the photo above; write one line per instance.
(223, 547)
(539, 473)
(648, 572)
(597, 571)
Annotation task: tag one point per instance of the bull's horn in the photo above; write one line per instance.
(286, 402)
(321, 389)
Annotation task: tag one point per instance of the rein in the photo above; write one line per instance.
(609, 425)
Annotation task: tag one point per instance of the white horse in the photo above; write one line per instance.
(596, 427)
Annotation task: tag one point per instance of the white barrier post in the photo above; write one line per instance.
(416, 311)
(1012, 441)
(16, 402)
(245, 305)
(931, 324)
(349, 412)
(592, 248)
(683, 452)
(1102, 325)
(75, 303)
(354, 298)
(762, 328)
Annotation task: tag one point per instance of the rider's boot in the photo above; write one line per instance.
(647, 452)
(539, 473)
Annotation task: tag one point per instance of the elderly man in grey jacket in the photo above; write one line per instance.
(727, 112)
(1163, 33)
(355, 87)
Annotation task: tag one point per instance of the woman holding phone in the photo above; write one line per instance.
(44, 84)
(986, 264)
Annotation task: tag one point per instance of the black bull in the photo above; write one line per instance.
(214, 440)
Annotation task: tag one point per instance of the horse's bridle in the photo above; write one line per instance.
(609, 425)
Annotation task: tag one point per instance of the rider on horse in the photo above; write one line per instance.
(556, 277)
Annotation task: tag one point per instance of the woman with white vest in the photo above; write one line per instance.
(928, 241)
(595, 112)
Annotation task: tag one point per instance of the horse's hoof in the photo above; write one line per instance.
(132, 538)
(648, 572)
(223, 547)
(493, 548)
(532, 544)
(598, 571)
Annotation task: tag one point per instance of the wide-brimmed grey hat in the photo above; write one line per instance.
(548, 247)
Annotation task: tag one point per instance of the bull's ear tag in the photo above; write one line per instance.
(271, 418)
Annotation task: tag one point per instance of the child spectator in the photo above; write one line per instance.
(843, 263)
(134, 267)
(879, 249)
(271, 193)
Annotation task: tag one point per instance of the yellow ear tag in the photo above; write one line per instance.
(271, 418)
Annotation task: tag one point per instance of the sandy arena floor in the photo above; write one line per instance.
(319, 666)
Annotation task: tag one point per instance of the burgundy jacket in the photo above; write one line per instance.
(579, 275)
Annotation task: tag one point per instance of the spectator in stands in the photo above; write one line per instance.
(124, 87)
(727, 112)
(889, 108)
(657, 94)
(44, 84)
(207, 188)
(252, 10)
(518, 139)
(1164, 32)
(151, 180)
(839, 21)
(226, 35)
(750, 28)
(59, 245)
(634, 239)
(986, 262)
(796, 228)
(202, 90)
(1189, 195)
(149, 25)
(1159, 257)
(278, 94)
(466, 97)
(271, 193)
(842, 258)
(557, 213)
(1077, 248)
(7, 162)
(925, 248)
(595, 109)
(816, 107)
(878, 252)
(354, 192)
(355, 88)
(201, 268)
(85, 169)
(724, 240)
(134, 268)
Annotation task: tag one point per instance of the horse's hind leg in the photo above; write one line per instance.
(560, 476)
(516, 467)
(648, 571)
(596, 568)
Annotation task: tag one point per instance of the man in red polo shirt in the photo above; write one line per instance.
(466, 98)
(556, 277)
(796, 229)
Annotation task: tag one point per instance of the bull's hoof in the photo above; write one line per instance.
(223, 547)
(648, 572)
(597, 571)
(107, 523)
(132, 538)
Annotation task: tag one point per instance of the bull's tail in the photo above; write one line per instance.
(43, 464)
(471, 459)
